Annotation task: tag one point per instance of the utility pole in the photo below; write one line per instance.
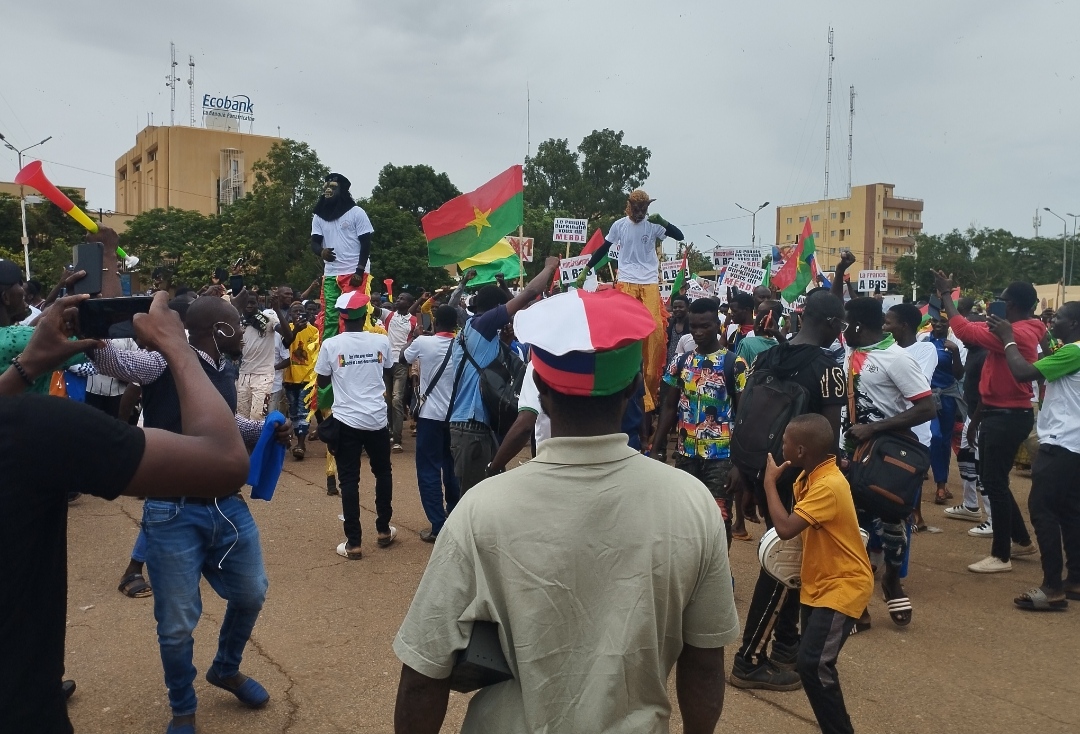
(828, 115)
(1036, 222)
(753, 221)
(22, 199)
(850, 134)
(1064, 249)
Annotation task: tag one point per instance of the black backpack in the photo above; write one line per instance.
(768, 403)
(886, 474)
(500, 385)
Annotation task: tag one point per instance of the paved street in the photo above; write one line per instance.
(969, 662)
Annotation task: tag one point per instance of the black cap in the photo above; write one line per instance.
(10, 273)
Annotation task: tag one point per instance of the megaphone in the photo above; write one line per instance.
(32, 175)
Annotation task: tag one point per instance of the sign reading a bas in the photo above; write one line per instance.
(742, 276)
(571, 267)
(570, 230)
(873, 280)
(724, 256)
(669, 269)
(523, 246)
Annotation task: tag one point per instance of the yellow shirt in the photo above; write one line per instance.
(835, 568)
(302, 354)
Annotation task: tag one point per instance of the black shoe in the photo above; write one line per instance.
(784, 656)
(427, 536)
(331, 486)
(68, 687)
(72, 496)
(765, 676)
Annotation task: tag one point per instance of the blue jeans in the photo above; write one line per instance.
(138, 553)
(435, 471)
(184, 541)
(942, 429)
(297, 396)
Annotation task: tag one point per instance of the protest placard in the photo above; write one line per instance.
(742, 276)
(669, 269)
(523, 246)
(696, 290)
(724, 256)
(570, 230)
(873, 280)
(571, 267)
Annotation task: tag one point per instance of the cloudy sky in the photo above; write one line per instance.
(972, 106)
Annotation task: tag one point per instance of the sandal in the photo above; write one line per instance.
(344, 552)
(135, 586)
(899, 610)
(1035, 600)
(941, 496)
(744, 536)
(298, 453)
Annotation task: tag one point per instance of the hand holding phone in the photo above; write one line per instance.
(110, 318)
(996, 308)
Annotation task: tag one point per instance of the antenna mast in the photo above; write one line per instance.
(191, 89)
(828, 113)
(1037, 221)
(850, 135)
(170, 82)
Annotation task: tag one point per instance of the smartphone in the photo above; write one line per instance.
(236, 284)
(996, 308)
(88, 256)
(110, 318)
(933, 307)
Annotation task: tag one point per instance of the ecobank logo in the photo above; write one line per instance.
(237, 107)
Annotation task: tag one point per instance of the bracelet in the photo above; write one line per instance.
(1010, 344)
(21, 370)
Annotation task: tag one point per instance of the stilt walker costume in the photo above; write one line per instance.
(639, 270)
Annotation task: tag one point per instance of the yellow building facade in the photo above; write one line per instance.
(873, 223)
(187, 167)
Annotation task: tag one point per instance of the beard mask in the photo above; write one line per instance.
(330, 208)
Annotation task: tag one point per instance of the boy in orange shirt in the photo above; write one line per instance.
(836, 577)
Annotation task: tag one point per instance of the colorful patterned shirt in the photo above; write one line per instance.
(704, 417)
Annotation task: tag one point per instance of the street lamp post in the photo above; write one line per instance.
(753, 220)
(1064, 249)
(1072, 250)
(22, 199)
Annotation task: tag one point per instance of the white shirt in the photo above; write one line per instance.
(926, 356)
(258, 356)
(638, 262)
(343, 237)
(529, 399)
(430, 349)
(355, 361)
(280, 352)
(34, 313)
(98, 384)
(1058, 425)
(888, 383)
(399, 327)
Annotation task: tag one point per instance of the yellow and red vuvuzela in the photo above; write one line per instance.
(472, 223)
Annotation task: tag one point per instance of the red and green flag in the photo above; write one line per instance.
(474, 222)
(798, 272)
(680, 279)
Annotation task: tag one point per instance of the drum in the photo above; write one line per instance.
(782, 559)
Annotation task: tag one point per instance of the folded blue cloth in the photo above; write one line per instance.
(266, 460)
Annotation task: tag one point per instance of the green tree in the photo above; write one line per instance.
(414, 189)
(51, 233)
(181, 240)
(552, 176)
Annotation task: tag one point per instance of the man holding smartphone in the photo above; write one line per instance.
(1005, 409)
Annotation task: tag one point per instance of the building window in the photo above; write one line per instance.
(842, 236)
(789, 238)
(802, 219)
(832, 250)
(832, 233)
(122, 174)
(843, 216)
(832, 216)
(817, 217)
(789, 220)
(151, 156)
(136, 167)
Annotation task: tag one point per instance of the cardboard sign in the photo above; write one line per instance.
(742, 276)
(696, 290)
(669, 269)
(570, 230)
(570, 268)
(614, 250)
(871, 280)
(665, 291)
(523, 246)
(724, 256)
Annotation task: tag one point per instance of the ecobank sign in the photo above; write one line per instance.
(237, 107)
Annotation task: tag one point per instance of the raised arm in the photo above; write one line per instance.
(846, 261)
(535, 287)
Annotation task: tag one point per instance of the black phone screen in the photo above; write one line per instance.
(110, 318)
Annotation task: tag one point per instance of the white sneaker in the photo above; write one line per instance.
(960, 512)
(1023, 550)
(982, 530)
(990, 564)
(396, 448)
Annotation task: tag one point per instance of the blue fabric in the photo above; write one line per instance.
(138, 553)
(482, 338)
(943, 373)
(184, 542)
(941, 437)
(266, 460)
(75, 386)
(435, 471)
(633, 417)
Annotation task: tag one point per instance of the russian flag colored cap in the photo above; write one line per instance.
(586, 343)
(354, 304)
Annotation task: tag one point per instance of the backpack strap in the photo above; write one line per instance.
(457, 377)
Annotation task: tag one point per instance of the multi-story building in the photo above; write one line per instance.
(873, 223)
(187, 167)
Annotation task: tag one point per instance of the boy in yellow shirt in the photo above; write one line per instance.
(836, 577)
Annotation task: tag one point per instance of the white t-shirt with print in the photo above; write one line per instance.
(258, 356)
(430, 349)
(638, 262)
(399, 327)
(529, 399)
(925, 355)
(342, 236)
(355, 361)
(888, 383)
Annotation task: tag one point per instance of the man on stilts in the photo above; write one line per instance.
(639, 268)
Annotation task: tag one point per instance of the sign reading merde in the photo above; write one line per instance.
(237, 107)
